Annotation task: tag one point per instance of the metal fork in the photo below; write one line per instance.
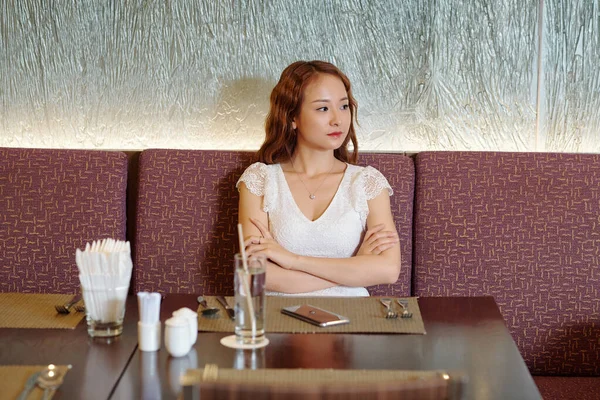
(80, 308)
(389, 304)
(66, 308)
(404, 305)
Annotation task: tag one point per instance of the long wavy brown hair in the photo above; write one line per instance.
(286, 99)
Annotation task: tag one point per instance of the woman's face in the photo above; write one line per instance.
(324, 118)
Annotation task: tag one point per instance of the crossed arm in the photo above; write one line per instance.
(376, 262)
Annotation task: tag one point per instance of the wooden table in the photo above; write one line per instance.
(97, 363)
(463, 333)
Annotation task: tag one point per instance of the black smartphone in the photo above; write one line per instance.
(314, 315)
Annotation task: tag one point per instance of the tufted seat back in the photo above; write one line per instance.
(51, 203)
(187, 215)
(186, 220)
(400, 173)
(524, 228)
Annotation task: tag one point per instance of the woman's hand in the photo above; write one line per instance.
(268, 246)
(376, 241)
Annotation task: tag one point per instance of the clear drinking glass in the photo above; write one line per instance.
(104, 309)
(250, 300)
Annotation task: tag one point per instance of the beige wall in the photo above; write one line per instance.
(449, 74)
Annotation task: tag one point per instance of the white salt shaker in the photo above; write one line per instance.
(177, 336)
(192, 318)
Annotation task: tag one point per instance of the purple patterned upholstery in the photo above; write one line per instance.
(187, 220)
(568, 387)
(400, 172)
(53, 202)
(187, 215)
(524, 228)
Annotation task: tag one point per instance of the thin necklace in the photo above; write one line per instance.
(312, 195)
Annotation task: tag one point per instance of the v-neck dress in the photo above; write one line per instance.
(337, 233)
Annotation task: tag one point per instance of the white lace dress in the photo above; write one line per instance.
(337, 233)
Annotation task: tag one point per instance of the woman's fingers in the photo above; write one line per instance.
(381, 248)
(384, 247)
(259, 225)
(373, 230)
(377, 240)
(381, 236)
(264, 231)
(253, 240)
(255, 248)
(384, 243)
(266, 248)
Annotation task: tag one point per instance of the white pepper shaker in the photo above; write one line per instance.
(192, 318)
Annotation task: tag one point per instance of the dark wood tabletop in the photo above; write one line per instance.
(97, 363)
(465, 334)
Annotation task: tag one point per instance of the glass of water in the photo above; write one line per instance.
(250, 300)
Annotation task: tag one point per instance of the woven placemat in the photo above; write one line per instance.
(13, 378)
(366, 315)
(34, 310)
(303, 376)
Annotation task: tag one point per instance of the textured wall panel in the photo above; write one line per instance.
(143, 73)
(571, 98)
(466, 77)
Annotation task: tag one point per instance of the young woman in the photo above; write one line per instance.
(324, 224)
